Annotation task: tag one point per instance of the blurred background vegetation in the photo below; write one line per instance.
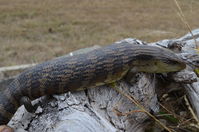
(35, 30)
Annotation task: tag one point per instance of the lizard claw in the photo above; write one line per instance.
(27, 104)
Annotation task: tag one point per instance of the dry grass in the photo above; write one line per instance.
(34, 31)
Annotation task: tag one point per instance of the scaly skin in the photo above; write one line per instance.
(98, 67)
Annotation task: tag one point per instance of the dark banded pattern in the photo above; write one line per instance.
(98, 67)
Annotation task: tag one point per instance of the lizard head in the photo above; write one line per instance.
(157, 60)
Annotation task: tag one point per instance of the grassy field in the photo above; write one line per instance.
(35, 31)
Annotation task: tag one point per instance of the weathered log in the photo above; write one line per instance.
(94, 109)
(188, 53)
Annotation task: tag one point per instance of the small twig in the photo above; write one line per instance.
(127, 113)
(184, 122)
(174, 115)
(183, 19)
(143, 109)
(191, 110)
(17, 67)
(194, 125)
(162, 115)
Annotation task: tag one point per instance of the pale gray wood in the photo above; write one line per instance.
(92, 109)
